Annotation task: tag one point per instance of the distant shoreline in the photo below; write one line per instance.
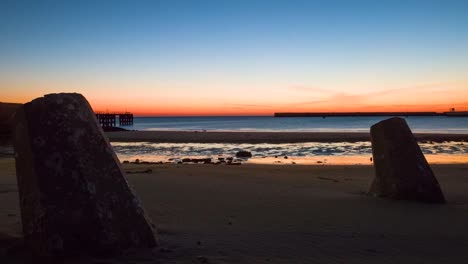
(260, 137)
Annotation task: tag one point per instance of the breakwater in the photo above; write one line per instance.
(348, 114)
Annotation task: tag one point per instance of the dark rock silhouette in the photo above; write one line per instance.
(401, 170)
(243, 154)
(74, 197)
(195, 160)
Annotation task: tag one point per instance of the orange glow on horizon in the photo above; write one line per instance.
(219, 111)
(168, 109)
(191, 102)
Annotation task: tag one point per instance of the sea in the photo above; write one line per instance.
(430, 124)
(297, 153)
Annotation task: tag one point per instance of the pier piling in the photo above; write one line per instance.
(110, 119)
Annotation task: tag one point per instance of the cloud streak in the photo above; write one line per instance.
(403, 94)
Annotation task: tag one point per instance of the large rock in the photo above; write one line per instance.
(74, 197)
(401, 170)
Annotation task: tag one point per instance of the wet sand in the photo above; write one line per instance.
(259, 137)
(293, 160)
(280, 214)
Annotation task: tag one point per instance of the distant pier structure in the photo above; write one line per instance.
(110, 119)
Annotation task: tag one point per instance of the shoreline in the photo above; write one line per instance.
(261, 137)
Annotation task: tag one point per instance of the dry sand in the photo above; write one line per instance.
(260, 137)
(281, 214)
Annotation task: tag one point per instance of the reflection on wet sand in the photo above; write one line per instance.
(299, 153)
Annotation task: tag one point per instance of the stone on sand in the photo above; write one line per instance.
(74, 197)
(243, 154)
(401, 170)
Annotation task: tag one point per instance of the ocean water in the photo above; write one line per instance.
(432, 124)
(298, 153)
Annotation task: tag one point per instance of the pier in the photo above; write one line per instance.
(356, 114)
(110, 119)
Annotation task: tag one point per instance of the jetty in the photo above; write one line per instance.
(110, 119)
(357, 114)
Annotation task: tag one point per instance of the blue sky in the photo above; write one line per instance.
(273, 50)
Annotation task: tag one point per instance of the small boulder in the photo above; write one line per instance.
(243, 154)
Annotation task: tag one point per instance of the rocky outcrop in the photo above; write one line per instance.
(401, 170)
(74, 197)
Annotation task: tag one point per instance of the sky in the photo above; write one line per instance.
(238, 57)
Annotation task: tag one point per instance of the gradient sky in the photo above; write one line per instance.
(238, 57)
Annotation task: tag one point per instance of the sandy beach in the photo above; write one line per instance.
(279, 214)
(260, 137)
